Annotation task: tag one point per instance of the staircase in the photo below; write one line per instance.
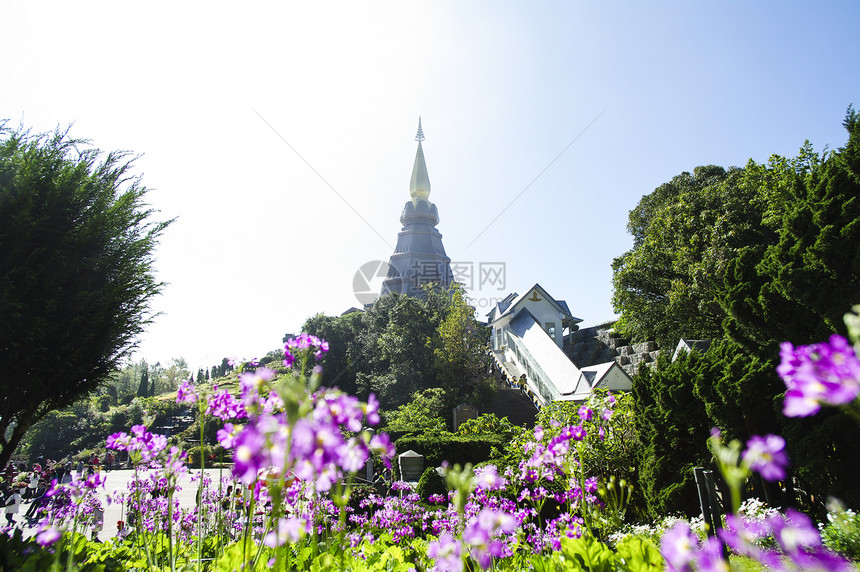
(510, 401)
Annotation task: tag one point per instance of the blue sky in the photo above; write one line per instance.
(208, 94)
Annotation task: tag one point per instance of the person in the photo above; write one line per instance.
(39, 500)
(13, 505)
(109, 461)
(98, 522)
(33, 484)
(225, 502)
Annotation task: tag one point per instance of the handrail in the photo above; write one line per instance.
(544, 385)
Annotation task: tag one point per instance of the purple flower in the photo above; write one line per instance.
(766, 455)
(249, 456)
(141, 443)
(794, 532)
(446, 552)
(227, 435)
(487, 478)
(47, 536)
(585, 413)
(286, 530)
(827, 372)
(372, 410)
(224, 406)
(302, 347)
(710, 557)
(578, 433)
(382, 444)
(186, 393)
(744, 536)
(679, 547)
(481, 534)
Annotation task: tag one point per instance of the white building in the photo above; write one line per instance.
(528, 332)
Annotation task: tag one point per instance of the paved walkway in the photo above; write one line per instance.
(117, 481)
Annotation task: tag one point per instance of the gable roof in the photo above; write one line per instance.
(685, 345)
(501, 306)
(512, 302)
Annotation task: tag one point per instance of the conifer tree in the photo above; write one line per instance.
(76, 260)
(143, 388)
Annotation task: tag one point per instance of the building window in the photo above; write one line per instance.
(550, 329)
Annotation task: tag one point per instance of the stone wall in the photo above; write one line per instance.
(599, 344)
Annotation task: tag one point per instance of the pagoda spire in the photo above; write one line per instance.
(419, 258)
(419, 185)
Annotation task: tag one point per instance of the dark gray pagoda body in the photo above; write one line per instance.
(419, 257)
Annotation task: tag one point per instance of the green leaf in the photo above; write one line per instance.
(637, 554)
(589, 553)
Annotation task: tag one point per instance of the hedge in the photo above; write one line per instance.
(456, 449)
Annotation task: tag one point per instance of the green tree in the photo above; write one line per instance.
(171, 376)
(341, 333)
(461, 357)
(684, 233)
(393, 352)
(143, 388)
(76, 272)
(783, 263)
(673, 428)
(126, 381)
(424, 412)
(403, 345)
(799, 282)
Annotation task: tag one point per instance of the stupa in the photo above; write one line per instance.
(419, 257)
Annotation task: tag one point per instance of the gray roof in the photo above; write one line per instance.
(552, 360)
(501, 306)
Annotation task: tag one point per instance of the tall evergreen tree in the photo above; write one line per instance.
(143, 388)
(76, 273)
(783, 264)
(673, 427)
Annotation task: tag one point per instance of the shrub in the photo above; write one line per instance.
(455, 449)
(103, 403)
(119, 421)
(842, 533)
(431, 483)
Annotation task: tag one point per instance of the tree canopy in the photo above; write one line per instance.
(403, 345)
(760, 254)
(76, 272)
(749, 258)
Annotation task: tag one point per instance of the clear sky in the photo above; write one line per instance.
(264, 127)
